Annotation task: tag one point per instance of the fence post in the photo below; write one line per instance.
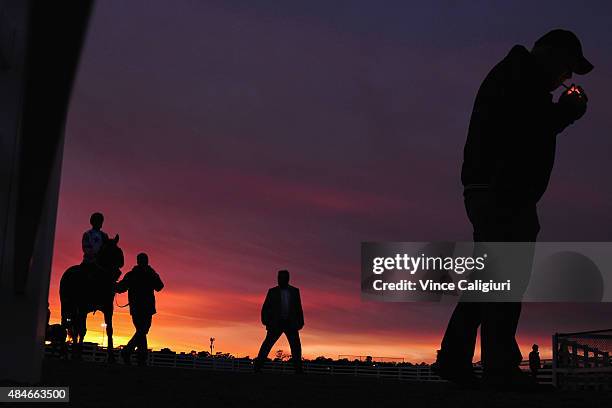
(555, 351)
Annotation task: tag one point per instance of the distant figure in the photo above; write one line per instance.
(282, 313)
(508, 158)
(140, 283)
(56, 335)
(94, 238)
(534, 361)
(564, 359)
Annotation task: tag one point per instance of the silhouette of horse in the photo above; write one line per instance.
(87, 288)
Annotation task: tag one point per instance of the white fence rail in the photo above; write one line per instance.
(396, 372)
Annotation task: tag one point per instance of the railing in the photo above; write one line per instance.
(93, 353)
(582, 360)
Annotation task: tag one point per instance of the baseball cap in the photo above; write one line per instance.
(569, 42)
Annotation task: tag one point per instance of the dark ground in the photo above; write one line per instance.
(101, 385)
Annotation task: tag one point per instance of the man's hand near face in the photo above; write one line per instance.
(574, 103)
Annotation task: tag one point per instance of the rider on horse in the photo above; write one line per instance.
(89, 286)
(93, 239)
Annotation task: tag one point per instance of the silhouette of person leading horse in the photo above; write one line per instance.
(141, 283)
(508, 159)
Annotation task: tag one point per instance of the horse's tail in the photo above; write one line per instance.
(68, 293)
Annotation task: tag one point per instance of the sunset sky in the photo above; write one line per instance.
(229, 139)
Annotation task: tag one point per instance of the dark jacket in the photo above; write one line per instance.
(534, 360)
(271, 310)
(140, 283)
(512, 133)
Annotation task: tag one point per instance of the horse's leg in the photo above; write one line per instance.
(81, 330)
(108, 320)
(74, 336)
(75, 341)
(63, 346)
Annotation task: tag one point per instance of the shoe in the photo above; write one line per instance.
(463, 377)
(125, 355)
(257, 365)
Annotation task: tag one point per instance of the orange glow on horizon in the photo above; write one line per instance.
(214, 285)
(243, 339)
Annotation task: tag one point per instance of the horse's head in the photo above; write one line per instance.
(110, 256)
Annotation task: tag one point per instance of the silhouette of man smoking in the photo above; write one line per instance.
(508, 158)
